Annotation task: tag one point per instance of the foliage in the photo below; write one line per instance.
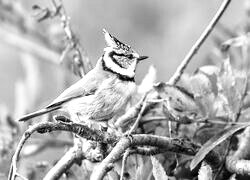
(207, 110)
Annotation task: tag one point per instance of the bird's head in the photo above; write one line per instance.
(120, 58)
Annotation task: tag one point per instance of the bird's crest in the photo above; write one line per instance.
(114, 42)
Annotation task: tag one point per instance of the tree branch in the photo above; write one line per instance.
(169, 144)
(177, 75)
(79, 129)
(80, 58)
(73, 155)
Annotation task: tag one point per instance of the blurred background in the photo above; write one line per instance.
(31, 74)
(163, 30)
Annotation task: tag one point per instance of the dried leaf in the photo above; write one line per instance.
(180, 102)
(205, 172)
(214, 141)
(158, 171)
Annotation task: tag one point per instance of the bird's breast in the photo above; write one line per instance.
(110, 99)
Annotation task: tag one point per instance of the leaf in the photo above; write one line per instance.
(235, 42)
(233, 177)
(232, 85)
(209, 70)
(144, 168)
(148, 81)
(158, 171)
(205, 172)
(214, 141)
(180, 102)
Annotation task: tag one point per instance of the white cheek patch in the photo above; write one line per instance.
(130, 72)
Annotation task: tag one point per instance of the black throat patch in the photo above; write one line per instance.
(120, 76)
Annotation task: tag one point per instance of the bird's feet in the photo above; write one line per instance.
(128, 135)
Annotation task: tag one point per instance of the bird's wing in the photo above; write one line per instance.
(84, 87)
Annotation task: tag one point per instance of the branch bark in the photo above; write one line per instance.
(168, 144)
(72, 156)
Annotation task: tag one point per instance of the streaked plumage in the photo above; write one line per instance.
(104, 91)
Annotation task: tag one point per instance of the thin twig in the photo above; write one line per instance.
(21, 32)
(177, 75)
(139, 116)
(73, 42)
(131, 113)
(171, 145)
(72, 156)
(79, 129)
(124, 160)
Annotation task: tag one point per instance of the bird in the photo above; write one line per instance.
(104, 91)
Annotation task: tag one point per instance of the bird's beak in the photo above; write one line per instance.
(140, 58)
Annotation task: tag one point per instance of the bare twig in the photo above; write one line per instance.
(73, 155)
(172, 145)
(131, 113)
(82, 65)
(124, 160)
(78, 129)
(139, 116)
(18, 30)
(176, 77)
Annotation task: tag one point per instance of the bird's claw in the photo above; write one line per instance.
(129, 136)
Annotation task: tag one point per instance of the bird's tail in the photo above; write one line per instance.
(38, 113)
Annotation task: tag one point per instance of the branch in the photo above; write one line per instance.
(124, 160)
(27, 43)
(131, 113)
(79, 129)
(80, 60)
(74, 155)
(236, 163)
(169, 144)
(23, 33)
(180, 70)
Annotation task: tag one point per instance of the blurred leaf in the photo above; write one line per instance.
(144, 169)
(32, 149)
(41, 13)
(214, 141)
(235, 42)
(209, 70)
(158, 171)
(232, 85)
(205, 172)
(148, 81)
(180, 102)
(233, 177)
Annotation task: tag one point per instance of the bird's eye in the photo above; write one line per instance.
(130, 56)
